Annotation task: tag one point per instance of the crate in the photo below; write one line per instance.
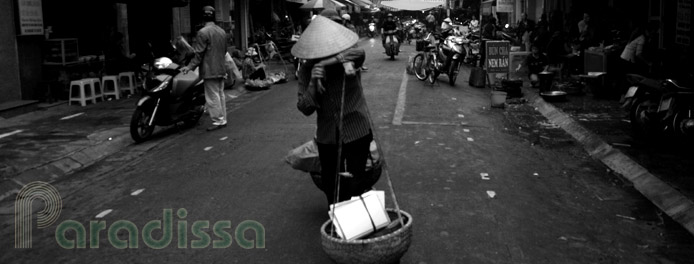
(61, 51)
(421, 44)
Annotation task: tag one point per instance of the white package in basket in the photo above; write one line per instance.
(360, 216)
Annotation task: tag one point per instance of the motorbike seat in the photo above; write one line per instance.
(649, 83)
(184, 81)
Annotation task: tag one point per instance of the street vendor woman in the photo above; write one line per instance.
(253, 67)
(331, 59)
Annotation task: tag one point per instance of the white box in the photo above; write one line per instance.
(360, 216)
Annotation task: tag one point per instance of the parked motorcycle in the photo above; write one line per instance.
(660, 107)
(448, 57)
(173, 97)
(472, 50)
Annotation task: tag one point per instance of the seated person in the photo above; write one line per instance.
(253, 68)
(536, 62)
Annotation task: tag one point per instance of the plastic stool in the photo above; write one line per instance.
(126, 81)
(97, 90)
(110, 85)
(81, 91)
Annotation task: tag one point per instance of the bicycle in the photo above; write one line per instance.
(424, 63)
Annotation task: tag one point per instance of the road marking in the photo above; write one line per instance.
(224, 138)
(72, 116)
(470, 139)
(400, 106)
(137, 192)
(104, 213)
(11, 133)
(466, 130)
(208, 148)
(427, 123)
(485, 176)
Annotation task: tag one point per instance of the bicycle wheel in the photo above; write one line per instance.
(419, 67)
(432, 73)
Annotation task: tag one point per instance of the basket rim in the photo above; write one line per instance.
(408, 224)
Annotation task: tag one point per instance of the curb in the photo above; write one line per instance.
(661, 194)
(105, 143)
(66, 165)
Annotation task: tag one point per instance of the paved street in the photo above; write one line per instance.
(553, 203)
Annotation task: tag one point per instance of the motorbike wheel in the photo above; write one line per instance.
(140, 130)
(641, 124)
(419, 67)
(453, 72)
(679, 125)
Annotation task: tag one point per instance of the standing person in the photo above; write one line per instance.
(210, 48)
(347, 22)
(489, 29)
(632, 56)
(431, 21)
(586, 32)
(331, 60)
(525, 27)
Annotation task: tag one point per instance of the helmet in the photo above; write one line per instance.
(251, 52)
(346, 17)
(390, 14)
(208, 13)
(448, 20)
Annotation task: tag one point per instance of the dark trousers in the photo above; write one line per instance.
(259, 74)
(354, 154)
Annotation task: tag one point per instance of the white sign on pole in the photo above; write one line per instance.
(504, 6)
(30, 17)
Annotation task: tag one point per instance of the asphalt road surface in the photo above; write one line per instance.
(447, 152)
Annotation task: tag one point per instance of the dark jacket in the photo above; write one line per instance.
(210, 48)
(356, 120)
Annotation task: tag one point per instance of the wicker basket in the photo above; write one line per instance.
(384, 249)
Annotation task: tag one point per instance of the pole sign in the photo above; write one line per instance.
(497, 56)
(30, 17)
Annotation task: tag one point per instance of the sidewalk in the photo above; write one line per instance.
(594, 140)
(51, 143)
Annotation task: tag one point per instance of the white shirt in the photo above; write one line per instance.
(634, 48)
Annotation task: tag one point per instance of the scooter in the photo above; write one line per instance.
(372, 30)
(392, 44)
(472, 50)
(173, 97)
(449, 57)
(657, 108)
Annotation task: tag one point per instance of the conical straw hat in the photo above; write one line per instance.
(323, 38)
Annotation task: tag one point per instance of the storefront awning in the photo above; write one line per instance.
(413, 5)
